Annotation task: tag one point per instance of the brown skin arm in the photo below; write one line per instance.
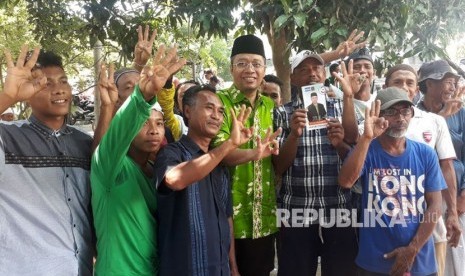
(108, 99)
(449, 195)
(405, 256)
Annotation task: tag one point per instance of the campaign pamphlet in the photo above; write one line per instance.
(314, 97)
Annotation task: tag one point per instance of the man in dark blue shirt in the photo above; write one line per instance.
(194, 193)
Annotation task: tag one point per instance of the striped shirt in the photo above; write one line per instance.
(45, 214)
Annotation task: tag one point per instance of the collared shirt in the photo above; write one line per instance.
(45, 214)
(193, 233)
(311, 180)
(253, 192)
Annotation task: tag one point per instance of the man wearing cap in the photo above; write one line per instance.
(401, 196)
(363, 65)
(252, 174)
(315, 111)
(309, 163)
(438, 83)
(431, 129)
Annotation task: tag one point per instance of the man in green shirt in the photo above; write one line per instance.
(253, 192)
(123, 196)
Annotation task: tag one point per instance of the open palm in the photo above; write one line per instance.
(21, 83)
(153, 78)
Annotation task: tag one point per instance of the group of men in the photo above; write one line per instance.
(206, 203)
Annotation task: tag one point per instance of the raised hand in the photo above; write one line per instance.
(268, 145)
(240, 134)
(347, 47)
(298, 122)
(153, 78)
(454, 104)
(374, 125)
(335, 132)
(107, 86)
(143, 48)
(21, 83)
(350, 81)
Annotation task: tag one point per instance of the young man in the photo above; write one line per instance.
(45, 212)
(401, 196)
(194, 192)
(254, 198)
(272, 88)
(441, 95)
(123, 197)
(431, 129)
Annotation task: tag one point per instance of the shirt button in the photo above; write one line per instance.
(67, 175)
(69, 199)
(74, 225)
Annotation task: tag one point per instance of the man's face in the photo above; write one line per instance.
(272, 90)
(442, 90)
(405, 80)
(125, 85)
(248, 79)
(398, 117)
(151, 134)
(309, 71)
(364, 68)
(206, 116)
(314, 99)
(55, 100)
(208, 75)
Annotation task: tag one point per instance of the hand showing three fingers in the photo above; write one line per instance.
(153, 77)
(239, 133)
(143, 48)
(350, 81)
(347, 47)
(268, 145)
(107, 86)
(21, 83)
(374, 125)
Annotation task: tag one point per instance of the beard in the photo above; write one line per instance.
(396, 133)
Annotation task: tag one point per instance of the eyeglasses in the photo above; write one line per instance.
(391, 112)
(243, 65)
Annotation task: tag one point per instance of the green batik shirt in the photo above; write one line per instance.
(253, 189)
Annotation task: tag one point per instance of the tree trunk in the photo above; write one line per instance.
(281, 54)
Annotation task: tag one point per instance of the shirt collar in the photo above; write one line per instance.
(191, 146)
(238, 97)
(48, 131)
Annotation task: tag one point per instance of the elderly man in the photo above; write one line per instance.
(431, 129)
(438, 83)
(401, 195)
